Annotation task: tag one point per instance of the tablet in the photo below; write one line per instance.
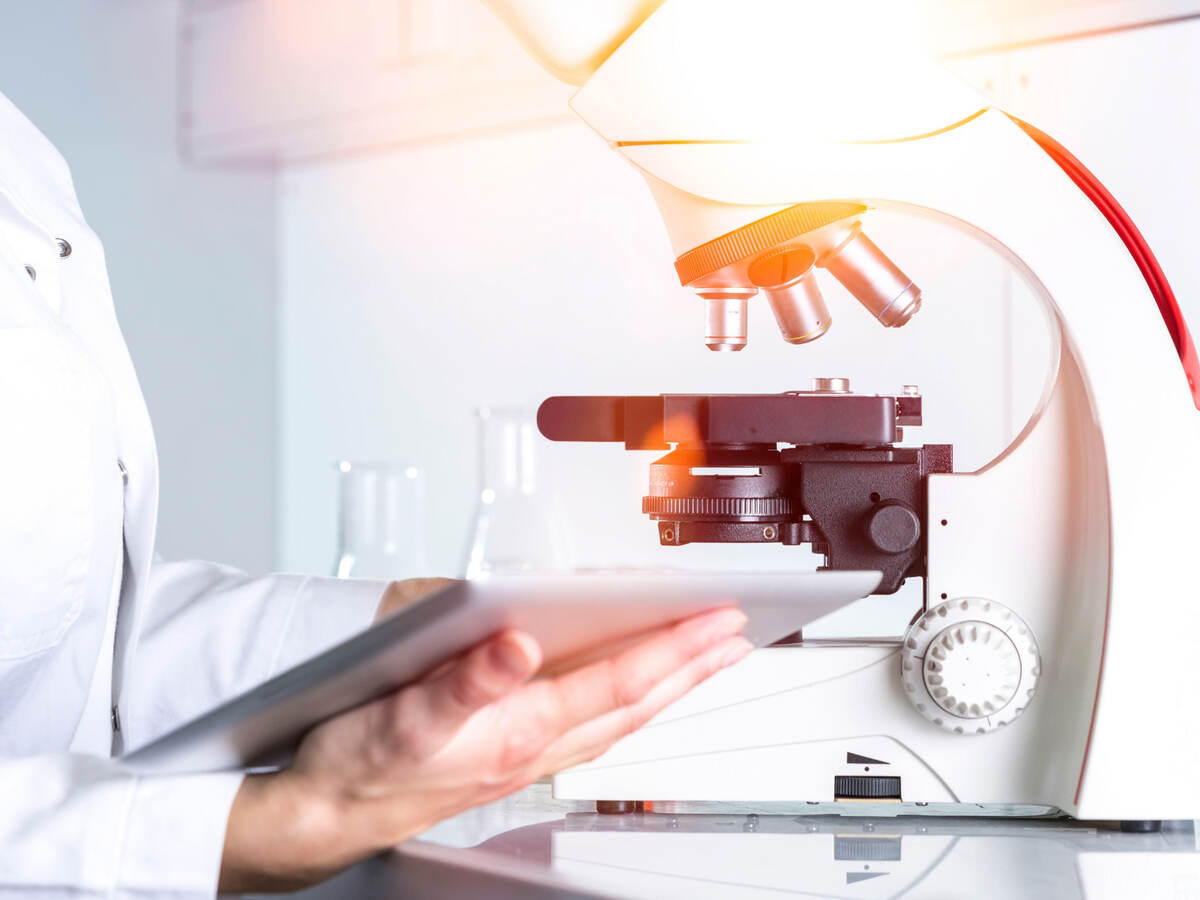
(571, 615)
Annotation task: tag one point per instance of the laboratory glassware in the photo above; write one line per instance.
(381, 524)
(520, 524)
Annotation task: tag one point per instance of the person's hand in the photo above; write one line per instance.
(401, 594)
(472, 731)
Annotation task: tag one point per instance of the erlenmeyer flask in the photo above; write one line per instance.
(381, 527)
(520, 526)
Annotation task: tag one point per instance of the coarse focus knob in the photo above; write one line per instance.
(970, 665)
(893, 527)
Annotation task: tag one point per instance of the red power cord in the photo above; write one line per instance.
(1135, 243)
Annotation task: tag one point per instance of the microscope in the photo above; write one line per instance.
(1052, 663)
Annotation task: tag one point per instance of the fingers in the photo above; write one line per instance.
(425, 715)
(625, 679)
(402, 594)
(413, 589)
(480, 677)
(589, 740)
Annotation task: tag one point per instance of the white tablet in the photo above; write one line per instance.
(569, 615)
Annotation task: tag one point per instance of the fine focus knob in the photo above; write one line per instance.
(970, 665)
(893, 527)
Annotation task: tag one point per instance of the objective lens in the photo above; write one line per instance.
(787, 277)
(725, 319)
(874, 280)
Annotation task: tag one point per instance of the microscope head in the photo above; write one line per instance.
(663, 82)
(788, 75)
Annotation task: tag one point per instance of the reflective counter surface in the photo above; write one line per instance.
(531, 846)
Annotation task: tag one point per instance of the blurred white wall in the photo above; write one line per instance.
(191, 253)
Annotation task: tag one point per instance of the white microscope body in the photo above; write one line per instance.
(1055, 661)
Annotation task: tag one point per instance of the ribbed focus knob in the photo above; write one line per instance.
(972, 670)
(773, 507)
(970, 665)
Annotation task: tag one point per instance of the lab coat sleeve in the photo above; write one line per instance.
(210, 632)
(76, 826)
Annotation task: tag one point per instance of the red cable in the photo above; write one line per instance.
(1137, 246)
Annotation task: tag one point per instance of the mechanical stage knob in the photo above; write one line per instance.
(970, 665)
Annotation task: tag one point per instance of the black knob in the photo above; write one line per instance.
(893, 527)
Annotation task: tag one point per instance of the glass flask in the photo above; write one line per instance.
(381, 524)
(520, 526)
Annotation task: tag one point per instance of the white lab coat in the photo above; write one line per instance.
(93, 630)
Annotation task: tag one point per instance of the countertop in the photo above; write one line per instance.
(532, 846)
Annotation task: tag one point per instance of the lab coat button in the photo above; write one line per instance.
(116, 718)
(31, 272)
(64, 248)
(124, 472)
